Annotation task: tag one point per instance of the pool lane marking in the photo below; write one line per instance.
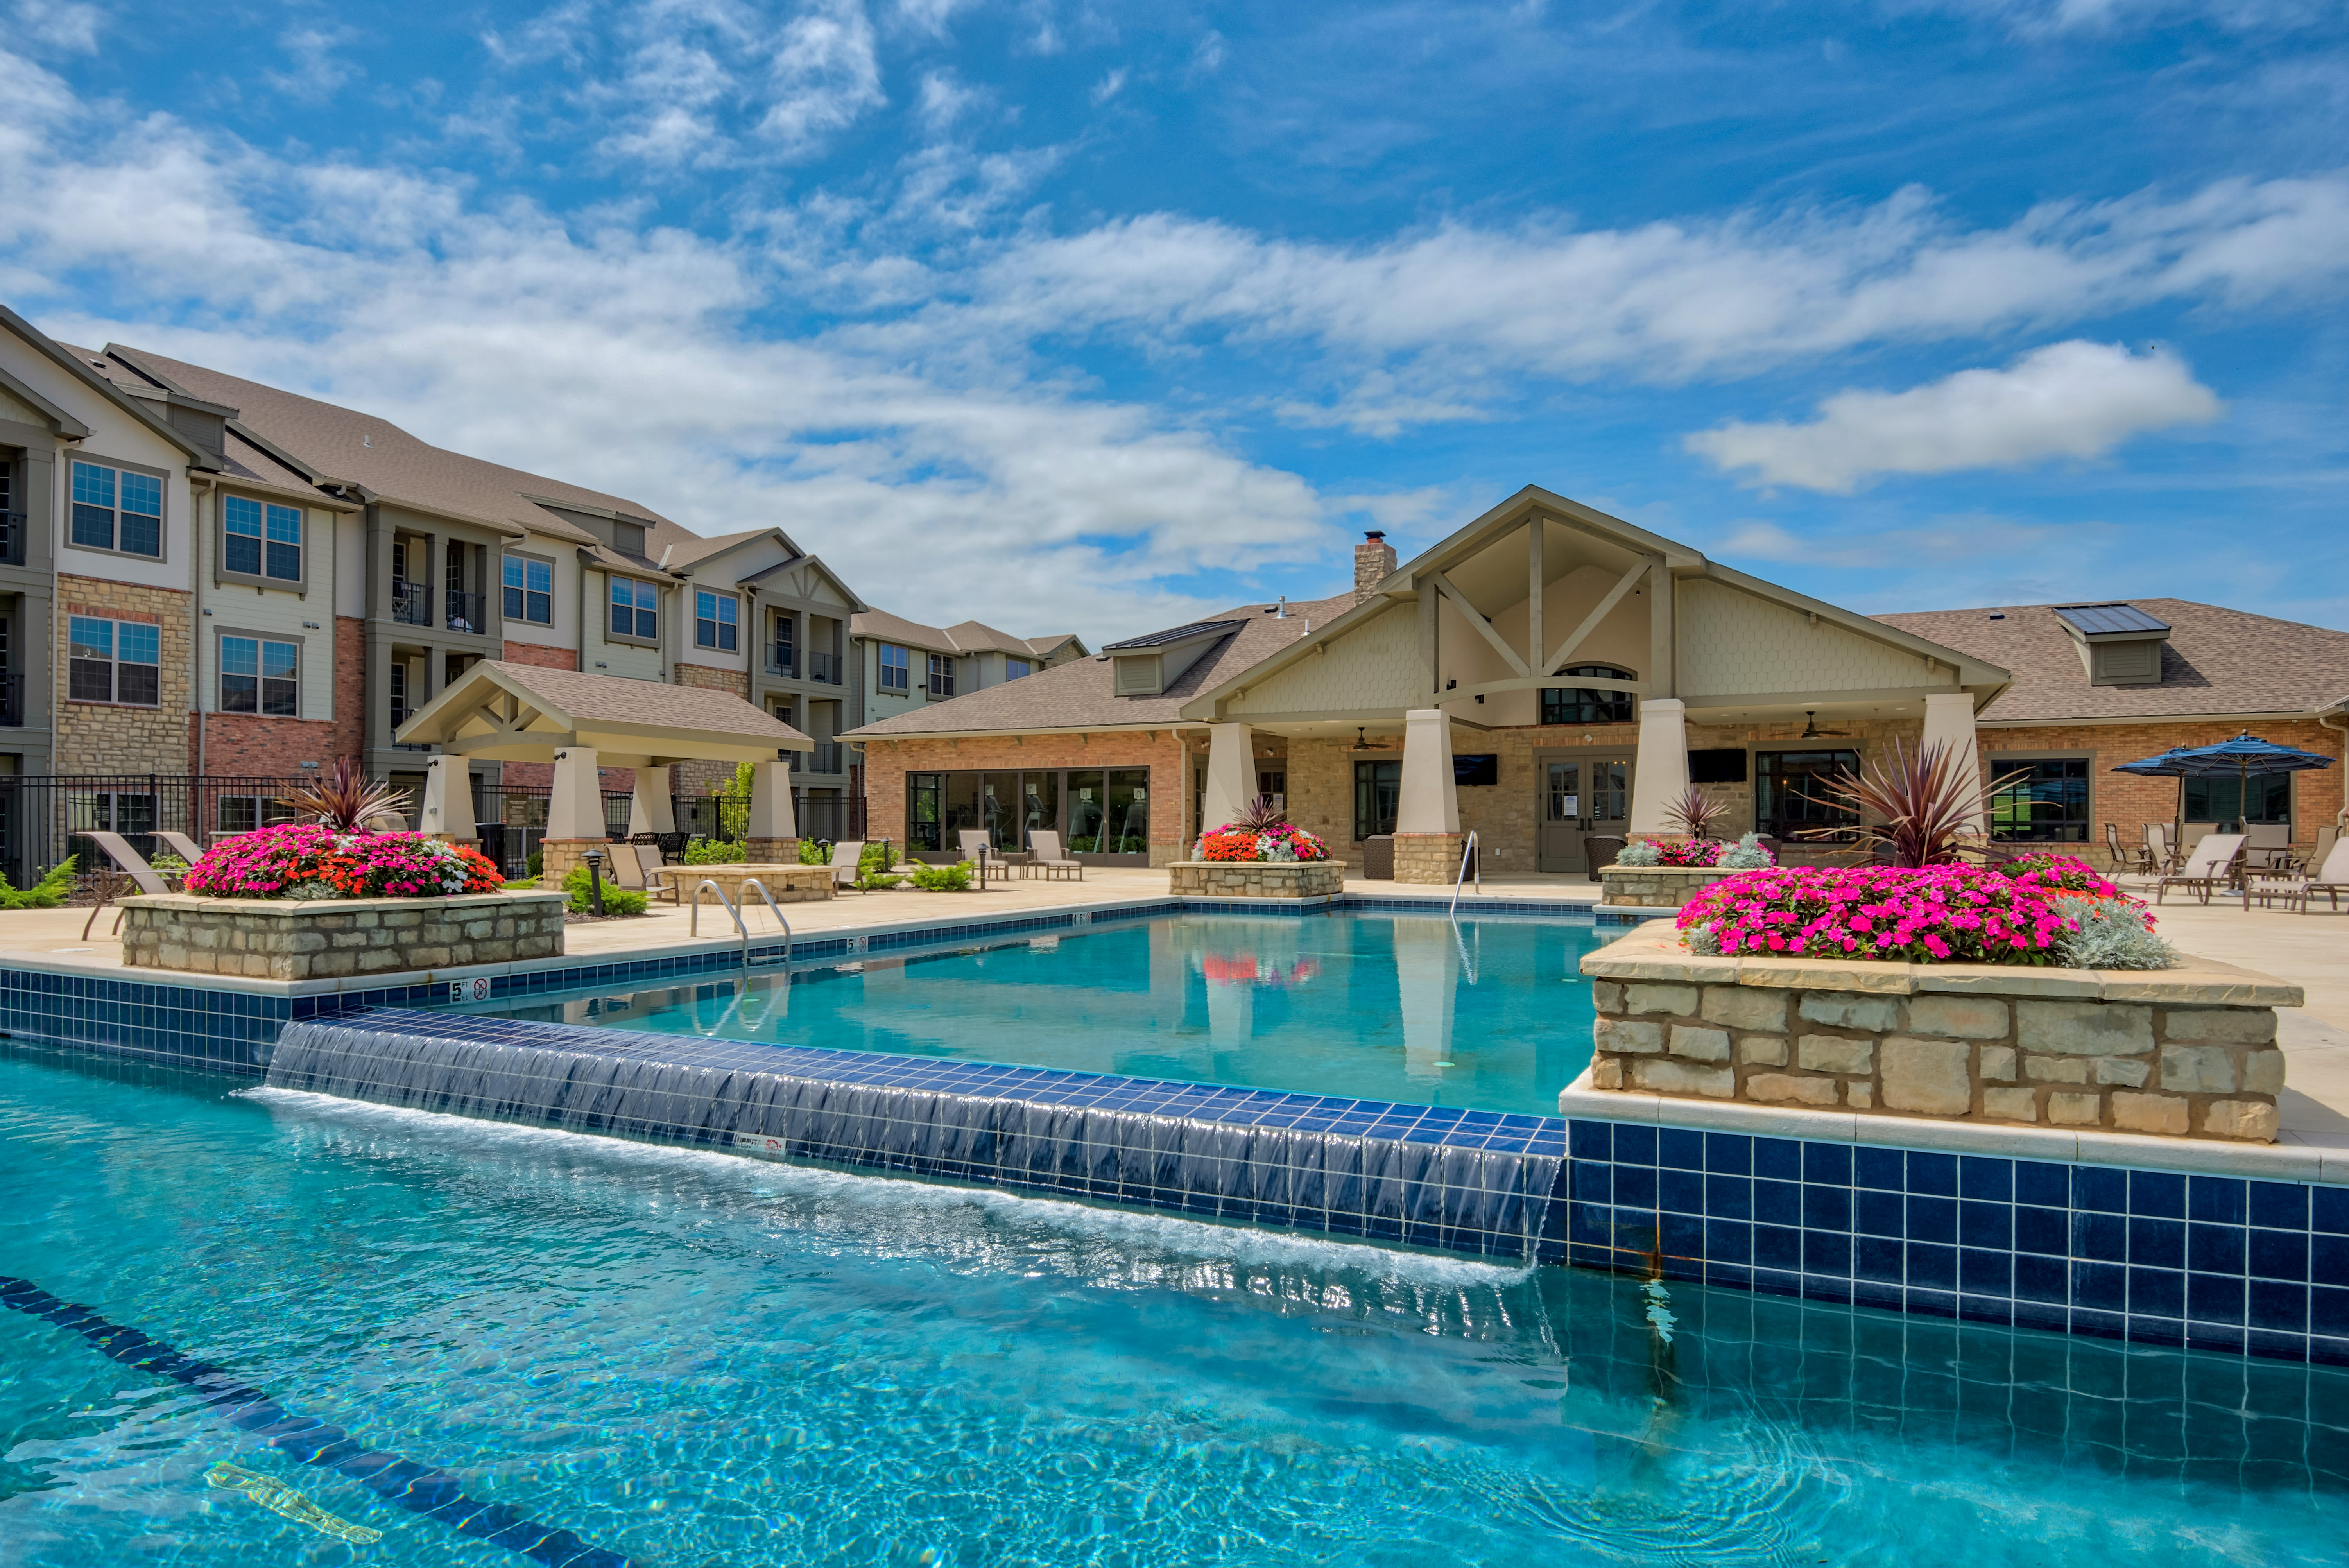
(419, 1489)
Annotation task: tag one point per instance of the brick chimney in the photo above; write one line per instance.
(1373, 559)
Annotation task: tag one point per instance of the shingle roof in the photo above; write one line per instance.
(1077, 694)
(963, 637)
(618, 699)
(1172, 634)
(344, 443)
(2216, 662)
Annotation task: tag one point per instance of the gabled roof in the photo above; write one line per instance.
(1078, 695)
(1173, 635)
(963, 637)
(76, 362)
(2216, 662)
(526, 712)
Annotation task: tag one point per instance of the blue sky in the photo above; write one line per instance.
(1092, 317)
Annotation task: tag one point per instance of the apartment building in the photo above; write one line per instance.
(908, 665)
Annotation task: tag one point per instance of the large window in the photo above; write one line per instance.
(260, 676)
(529, 586)
(714, 621)
(942, 675)
(2264, 798)
(114, 661)
(892, 668)
(2048, 804)
(1378, 794)
(632, 609)
(1790, 790)
(117, 509)
(1096, 810)
(243, 812)
(1013, 668)
(1586, 705)
(261, 539)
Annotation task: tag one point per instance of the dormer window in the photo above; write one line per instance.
(2119, 644)
(1139, 674)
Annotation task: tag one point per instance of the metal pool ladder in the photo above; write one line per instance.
(1467, 860)
(736, 915)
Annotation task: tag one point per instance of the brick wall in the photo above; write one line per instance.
(538, 653)
(104, 738)
(1163, 752)
(246, 746)
(697, 778)
(350, 687)
(2132, 801)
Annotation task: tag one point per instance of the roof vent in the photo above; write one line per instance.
(2119, 644)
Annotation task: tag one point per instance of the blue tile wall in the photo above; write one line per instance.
(2207, 1262)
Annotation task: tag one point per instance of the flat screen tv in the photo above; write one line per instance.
(1481, 768)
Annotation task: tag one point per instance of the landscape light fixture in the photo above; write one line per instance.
(595, 858)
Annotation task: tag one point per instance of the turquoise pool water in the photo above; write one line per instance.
(1486, 1015)
(695, 1359)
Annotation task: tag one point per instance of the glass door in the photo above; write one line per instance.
(1582, 797)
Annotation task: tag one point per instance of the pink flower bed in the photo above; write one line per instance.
(297, 861)
(1937, 914)
(1283, 841)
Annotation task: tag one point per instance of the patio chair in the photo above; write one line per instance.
(180, 845)
(1600, 849)
(976, 844)
(654, 877)
(2331, 877)
(2210, 868)
(2139, 859)
(2267, 847)
(2157, 848)
(130, 869)
(1047, 861)
(846, 853)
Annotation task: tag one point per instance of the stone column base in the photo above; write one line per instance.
(558, 856)
(772, 851)
(1428, 857)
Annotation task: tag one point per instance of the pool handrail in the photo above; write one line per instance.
(1468, 858)
(772, 909)
(694, 927)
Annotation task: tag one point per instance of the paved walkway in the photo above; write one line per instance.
(2309, 951)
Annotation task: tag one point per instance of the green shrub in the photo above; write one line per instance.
(617, 901)
(2112, 935)
(815, 852)
(46, 894)
(876, 857)
(715, 852)
(536, 865)
(954, 879)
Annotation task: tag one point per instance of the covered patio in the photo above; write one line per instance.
(504, 711)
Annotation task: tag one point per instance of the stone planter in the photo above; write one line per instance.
(334, 939)
(1656, 887)
(1258, 878)
(2184, 1052)
(793, 884)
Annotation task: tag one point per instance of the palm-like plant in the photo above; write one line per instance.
(1260, 815)
(344, 799)
(1928, 801)
(1695, 813)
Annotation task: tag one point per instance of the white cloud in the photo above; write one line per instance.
(2075, 400)
(1376, 406)
(616, 356)
(825, 75)
(2037, 19)
(65, 26)
(1109, 87)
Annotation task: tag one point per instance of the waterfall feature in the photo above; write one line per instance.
(1461, 1181)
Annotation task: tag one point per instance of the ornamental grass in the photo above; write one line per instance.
(1930, 914)
(308, 860)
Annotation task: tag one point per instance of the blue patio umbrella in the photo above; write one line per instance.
(2242, 759)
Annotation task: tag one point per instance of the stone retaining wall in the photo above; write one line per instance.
(1656, 887)
(330, 939)
(1258, 878)
(2186, 1052)
(789, 883)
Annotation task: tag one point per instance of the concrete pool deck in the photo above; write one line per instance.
(2310, 950)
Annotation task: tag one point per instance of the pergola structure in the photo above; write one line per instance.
(528, 713)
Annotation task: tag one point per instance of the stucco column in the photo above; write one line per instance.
(574, 815)
(771, 836)
(1231, 775)
(1427, 815)
(449, 800)
(1660, 777)
(1949, 720)
(651, 810)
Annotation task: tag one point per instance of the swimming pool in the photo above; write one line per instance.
(1490, 1014)
(688, 1359)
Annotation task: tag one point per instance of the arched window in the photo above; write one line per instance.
(1583, 705)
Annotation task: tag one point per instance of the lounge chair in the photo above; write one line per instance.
(846, 853)
(2157, 848)
(2267, 847)
(180, 845)
(655, 878)
(130, 868)
(2331, 877)
(1046, 859)
(2210, 868)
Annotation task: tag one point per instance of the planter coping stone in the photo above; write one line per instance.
(291, 906)
(1654, 952)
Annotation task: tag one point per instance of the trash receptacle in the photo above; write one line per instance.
(1378, 857)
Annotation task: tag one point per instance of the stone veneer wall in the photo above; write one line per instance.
(2186, 1052)
(1656, 887)
(114, 737)
(787, 884)
(327, 938)
(1258, 878)
(1428, 858)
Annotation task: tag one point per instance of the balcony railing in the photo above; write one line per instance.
(12, 701)
(823, 667)
(465, 612)
(781, 660)
(411, 605)
(12, 538)
(829, 757)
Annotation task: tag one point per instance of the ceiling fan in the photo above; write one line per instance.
(1811, 730)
